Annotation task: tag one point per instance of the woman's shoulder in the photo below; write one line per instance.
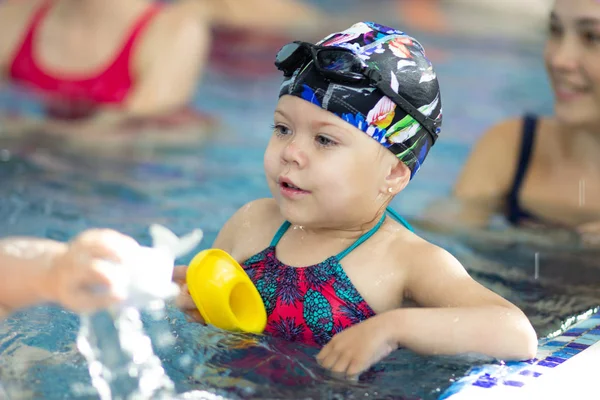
(509, 132)
(492, 163)
(506, 133)
(14, 21)
(177, 22)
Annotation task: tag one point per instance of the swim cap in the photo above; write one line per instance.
(402, 65)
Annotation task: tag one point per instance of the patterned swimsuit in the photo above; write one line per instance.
(308, 304)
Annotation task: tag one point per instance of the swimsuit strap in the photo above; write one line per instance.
(361, 239)
(282, 229)
(515, 212)
(286, 224)
(399, 218)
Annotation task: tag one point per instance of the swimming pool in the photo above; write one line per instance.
(55, 193)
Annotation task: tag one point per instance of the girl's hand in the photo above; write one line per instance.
(184, 300)
(354, 350)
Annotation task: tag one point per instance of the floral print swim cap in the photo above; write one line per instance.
(401, 61)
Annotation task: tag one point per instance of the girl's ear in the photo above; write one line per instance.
(397, 178)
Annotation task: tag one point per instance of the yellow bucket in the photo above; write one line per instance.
(224, 294)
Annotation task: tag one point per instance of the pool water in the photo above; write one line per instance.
(52, 192)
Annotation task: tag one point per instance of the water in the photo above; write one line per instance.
(120, 358)
(49, 191)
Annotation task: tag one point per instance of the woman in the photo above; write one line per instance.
(546, 170)
(104, 61)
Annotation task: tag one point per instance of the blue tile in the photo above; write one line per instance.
(574, 332)
(486, 381)
(514, 383)
(578, 346)
(583, 340)
(587, 324)
(548, 364)
(512, 364)
(570, 350)
(484, 384)
(563, 354)
(554, 343)
(530, 373)
(556, 360)
(595, 333)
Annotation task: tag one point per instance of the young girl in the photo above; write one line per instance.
(356, 117)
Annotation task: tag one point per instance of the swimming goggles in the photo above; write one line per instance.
(341, 65)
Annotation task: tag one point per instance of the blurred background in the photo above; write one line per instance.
(487, 55)
(123, 113)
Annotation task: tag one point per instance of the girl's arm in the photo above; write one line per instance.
(458, 315)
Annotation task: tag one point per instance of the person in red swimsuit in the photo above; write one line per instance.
(103, 60)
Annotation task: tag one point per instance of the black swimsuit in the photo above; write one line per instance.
(514, 213)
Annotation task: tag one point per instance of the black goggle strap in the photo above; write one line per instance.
(430, 125)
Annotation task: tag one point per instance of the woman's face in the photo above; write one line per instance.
(572, 57)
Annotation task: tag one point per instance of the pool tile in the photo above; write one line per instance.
(554, 343)
(578, 346)
(587, 324)
(548, 364)
(556, 360)
(530, 373)
(486, 381)
(563, 354)
(563, 338)
(574, 332)
(514, 383)
(583, 340)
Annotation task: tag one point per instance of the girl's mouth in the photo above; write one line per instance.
(290, 190)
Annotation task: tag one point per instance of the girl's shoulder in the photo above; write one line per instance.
(252, 227)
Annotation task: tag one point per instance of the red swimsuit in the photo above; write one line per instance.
(309, 304)
(77, 97)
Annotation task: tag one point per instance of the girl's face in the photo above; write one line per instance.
(322, 171)
(572, 57)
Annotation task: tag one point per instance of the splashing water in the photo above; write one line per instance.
(119, 353)
(121, 359)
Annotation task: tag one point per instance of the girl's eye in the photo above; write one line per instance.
(324, 141)
(281, 130)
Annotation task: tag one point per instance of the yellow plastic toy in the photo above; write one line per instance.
(224, 294)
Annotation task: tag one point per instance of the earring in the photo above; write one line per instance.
(390, 190)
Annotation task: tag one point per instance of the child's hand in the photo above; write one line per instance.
(79, 278)
(590, 233)
(184, 299)
(357, 348)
